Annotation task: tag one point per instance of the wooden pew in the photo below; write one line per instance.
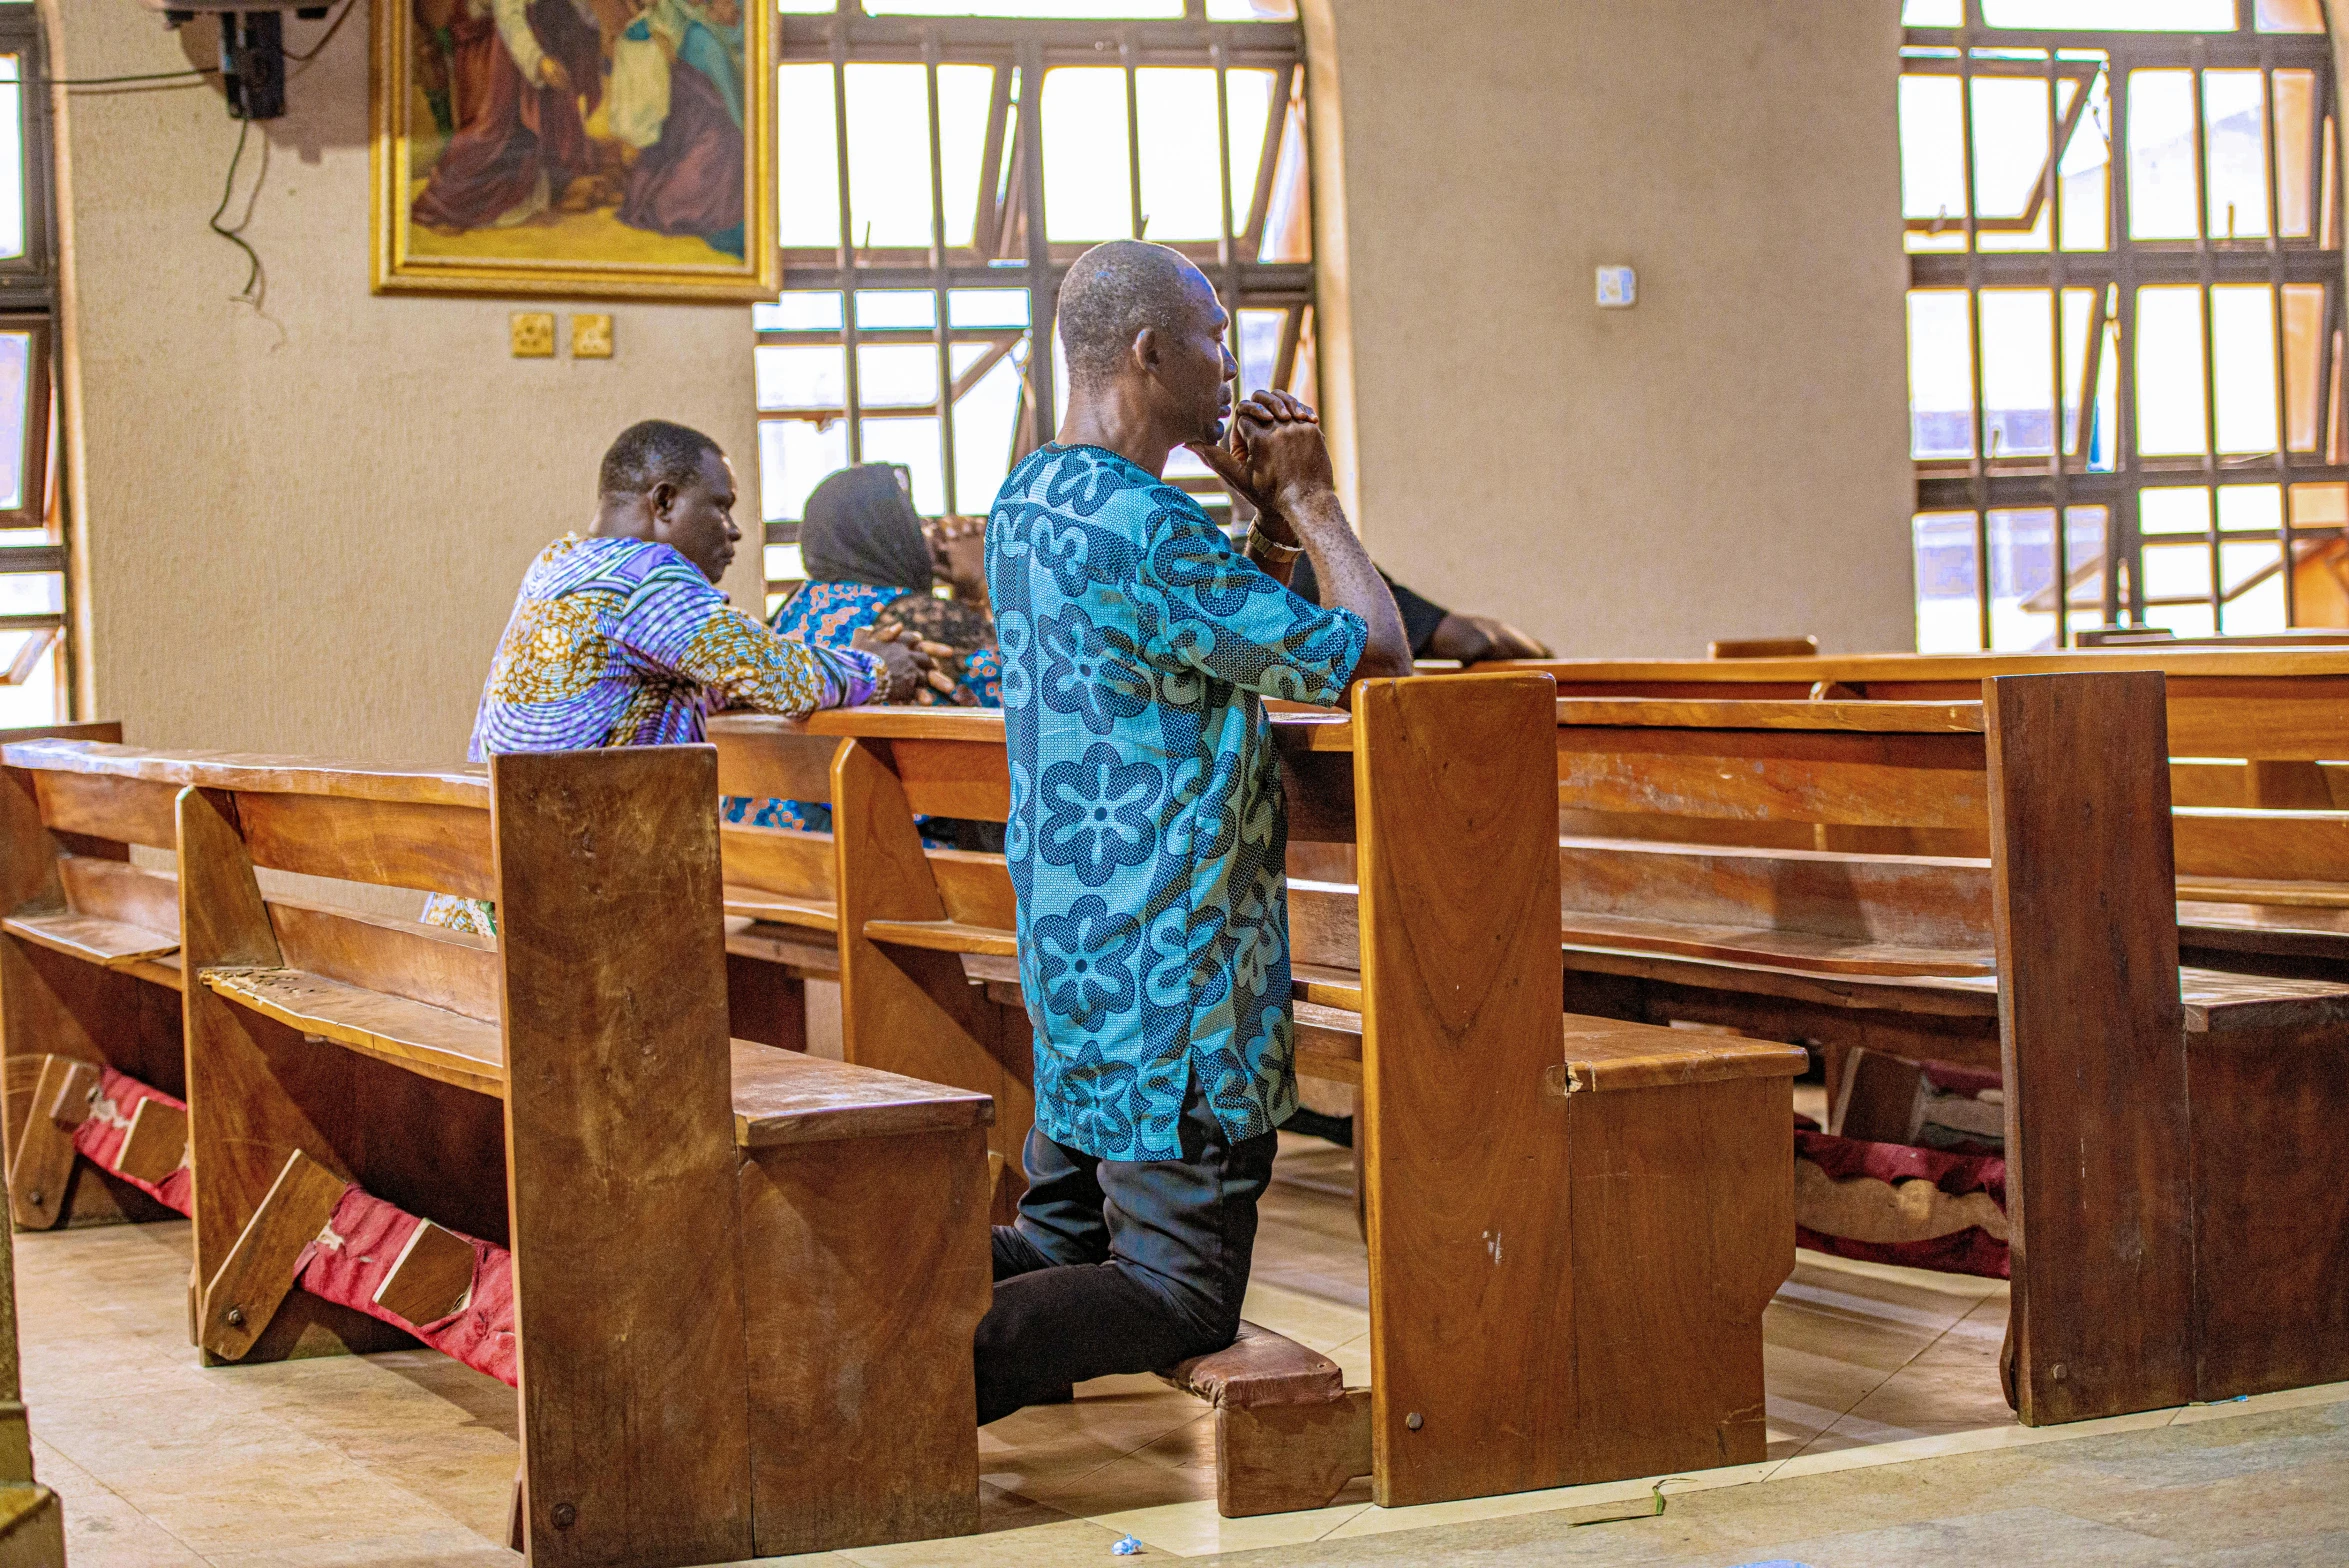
(1603, 1209)
(89, 988)
(2146, 1270)
(736, 1285)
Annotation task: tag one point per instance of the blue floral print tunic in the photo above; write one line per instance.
(1147, 833)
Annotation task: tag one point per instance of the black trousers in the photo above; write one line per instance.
(1120, 1265)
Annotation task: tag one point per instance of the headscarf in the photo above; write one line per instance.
(860, 528)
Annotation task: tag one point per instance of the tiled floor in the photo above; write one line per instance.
(408, 1458)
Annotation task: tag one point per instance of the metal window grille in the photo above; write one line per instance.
(920, 332)
(2125, 323)
(35, 667)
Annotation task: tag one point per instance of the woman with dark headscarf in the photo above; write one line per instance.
(870, 567)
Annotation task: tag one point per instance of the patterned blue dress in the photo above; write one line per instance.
(1147, 834)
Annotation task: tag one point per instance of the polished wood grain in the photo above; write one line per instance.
(258, 1093)
(1762, 648)
(437, 846)
(431, 1278)
(2097, 1138)
(1466, 1158)
(156, 1144)
(1875, 718)
(867, 1272)
(779, 860)
(2248, 844)
(1607, 1056)
(783, 1097)
(42, 1158)
(618, 1083)
(1899, 900)
(1897, 780)
(455, 971)
(256, 773)
(782, 909)
(432, 1042)
(241, 1298)
(944, 936)
(118, 890)
(107, 943)
(976, 888)
(908, 1008)
(761, 757)
(952, 778)
(129, 810)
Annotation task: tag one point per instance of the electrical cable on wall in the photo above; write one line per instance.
(256, 278)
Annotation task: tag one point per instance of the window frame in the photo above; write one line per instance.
(1010, 246)
(2060, 482)
(29, 299)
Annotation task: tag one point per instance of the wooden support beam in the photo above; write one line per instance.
(431, 1278)
(244, 1294)
(44, 1154)
(156, 1144)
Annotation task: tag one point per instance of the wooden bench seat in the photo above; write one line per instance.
(107, 943)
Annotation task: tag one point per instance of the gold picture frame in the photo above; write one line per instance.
(621, 196)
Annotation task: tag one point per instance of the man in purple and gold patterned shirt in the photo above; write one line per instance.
(621, 638)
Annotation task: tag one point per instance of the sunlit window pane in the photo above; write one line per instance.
(2243, 364)
(987, 308)
(2304, 320)
(1035, 8)
(888, 156)
(883, 309)
(986, 420)
(1288, 214)
(2022, 581)
(2234, 112)
(794, 457)
(1182, 182)
(2162, 203)
(1948, 593)
(1941, 379)
(2169, 371)
(2086, 173)
(2250, 509)
(2010, 144)
(1087, 174)
(913, 445)
(11, 156)
(2173, 511)
(1932, 13)
(1932, 149)
(808, 311)
(1260, 347)
(16, 382)
(2151, 16)
(807, 144)
(897, 375)
(2084, 568)
(810, 376)
(34, 699)
(1256, 10)
(2289, 16)
(2295, 151)
(2018, 372)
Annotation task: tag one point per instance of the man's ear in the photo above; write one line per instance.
(662, 498)
(1145, 349)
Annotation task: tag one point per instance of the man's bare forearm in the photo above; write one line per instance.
(1348, 580)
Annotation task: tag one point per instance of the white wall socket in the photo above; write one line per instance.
(1618, 288)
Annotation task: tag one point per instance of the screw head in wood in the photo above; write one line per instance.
(1414, 1421)
(35, 1197)
(565, 1516)
(236, 1317)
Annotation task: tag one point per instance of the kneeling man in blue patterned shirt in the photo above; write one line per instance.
(1147, 836)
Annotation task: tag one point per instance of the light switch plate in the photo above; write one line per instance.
(1618, 288)
(533, 334)
(591, 336)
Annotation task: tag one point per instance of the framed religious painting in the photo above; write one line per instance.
(575, 148)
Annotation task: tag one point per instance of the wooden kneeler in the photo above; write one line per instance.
(43, 1148)
(1289, 1435)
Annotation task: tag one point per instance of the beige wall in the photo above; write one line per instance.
(1727, 458)
(301, 527)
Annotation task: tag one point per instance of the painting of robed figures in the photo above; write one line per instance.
(574, 147)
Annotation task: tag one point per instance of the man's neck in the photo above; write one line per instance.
(621, 517)
(1106, 417)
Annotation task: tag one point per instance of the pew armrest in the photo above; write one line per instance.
(1604, 1054)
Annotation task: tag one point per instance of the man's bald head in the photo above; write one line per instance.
(1117, 290)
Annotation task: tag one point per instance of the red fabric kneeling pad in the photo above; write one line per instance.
(1969, 1251)
(355, 1253)
(100, 1137)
